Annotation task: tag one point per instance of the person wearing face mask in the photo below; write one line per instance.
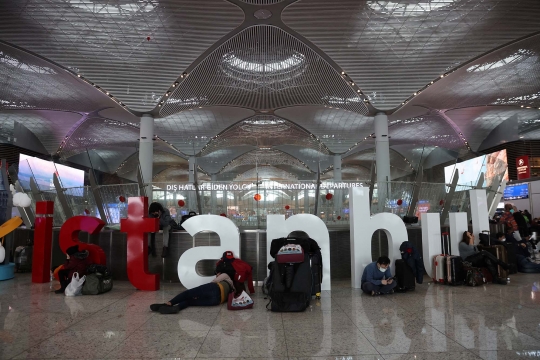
(377, 278)
(508, 219)
(469, 253)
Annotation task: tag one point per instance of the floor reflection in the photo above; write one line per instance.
(434, 322)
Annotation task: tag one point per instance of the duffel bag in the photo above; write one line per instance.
(474, 276)
(97, 284)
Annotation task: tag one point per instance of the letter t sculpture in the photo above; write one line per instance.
(137, 226)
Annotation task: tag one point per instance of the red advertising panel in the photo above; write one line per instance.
(523, 169)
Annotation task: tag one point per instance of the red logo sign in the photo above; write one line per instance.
(522, 166)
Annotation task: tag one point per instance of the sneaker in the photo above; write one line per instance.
(156, 307)
(375, 293)
(169, 309)
(165, 252)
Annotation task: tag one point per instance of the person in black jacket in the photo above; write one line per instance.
(156, 210)
(521, 223)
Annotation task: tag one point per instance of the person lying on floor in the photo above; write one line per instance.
(211, 294)
(377, 278)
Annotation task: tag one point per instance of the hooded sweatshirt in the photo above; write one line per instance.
(79, 262)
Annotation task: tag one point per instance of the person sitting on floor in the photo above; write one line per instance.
(211, 294)
(377, 278)
(77, 262)
(526, 265)
(469, 253)
(519, 246)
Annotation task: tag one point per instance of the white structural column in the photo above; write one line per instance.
(146, 151)
(192, 196)
(382, 158)
(213, 195)
(338, 194)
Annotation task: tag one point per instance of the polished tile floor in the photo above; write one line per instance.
(434, 322)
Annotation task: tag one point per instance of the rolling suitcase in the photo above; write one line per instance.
(500, 253)
(291, 286)
(23, 258)
(316, 272)
(405, 276)
(454, 270)
(439, 261)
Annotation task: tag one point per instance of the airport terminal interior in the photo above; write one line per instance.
(359, 124)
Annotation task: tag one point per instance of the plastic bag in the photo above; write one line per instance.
(243, 301)
(75, 286)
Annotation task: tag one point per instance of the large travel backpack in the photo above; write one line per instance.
(313, 250)
(292, 295)
(98, 280)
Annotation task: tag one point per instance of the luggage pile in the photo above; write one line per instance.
(409, 269)
(295, 275)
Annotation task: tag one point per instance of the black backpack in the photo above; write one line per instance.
(185, 217)
(291, 286)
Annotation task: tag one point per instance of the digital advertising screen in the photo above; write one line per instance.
(491, 165)
(518, 191)
(43, 170)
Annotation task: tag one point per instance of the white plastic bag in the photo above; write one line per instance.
(75, 286)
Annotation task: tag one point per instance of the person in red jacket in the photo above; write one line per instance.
(77, 262)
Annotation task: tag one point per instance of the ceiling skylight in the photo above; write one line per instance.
(411, 9)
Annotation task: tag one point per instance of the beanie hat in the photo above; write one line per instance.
(72, 250)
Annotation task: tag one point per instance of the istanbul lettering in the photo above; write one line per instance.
(274, 186)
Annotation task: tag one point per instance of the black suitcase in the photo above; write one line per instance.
(316, 272)
(23, 258)
(405, 277)
(291, 286)
(455, 270)
(512, 259)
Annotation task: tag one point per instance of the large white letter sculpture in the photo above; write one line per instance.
(278, 227)
(363, 225)
(229, 236)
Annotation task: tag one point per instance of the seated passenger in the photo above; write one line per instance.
(469, 253)
(156, 210)
(77, 262)
(211, 294)
(377, 278)
(519, 246)
(525, 265)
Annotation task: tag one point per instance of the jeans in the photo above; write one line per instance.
(368, 287)
(204, 295)
(166, 230)
(527, 266)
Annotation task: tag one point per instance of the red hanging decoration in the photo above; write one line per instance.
(287, 207)
(441, 202)
(329, 196)
(121, 199)
(339, 217)
(223, 214)
(181, 203)
(257, 197)
(399, 202)
(148, 38)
